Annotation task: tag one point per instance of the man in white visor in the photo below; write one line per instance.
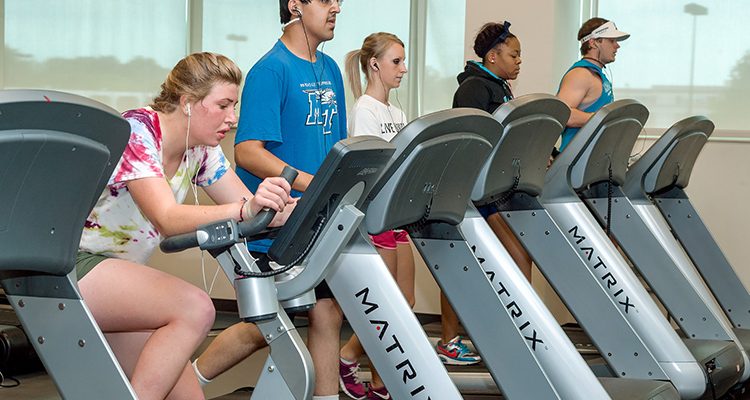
(584, 87)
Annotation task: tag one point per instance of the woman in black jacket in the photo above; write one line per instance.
(484, 85)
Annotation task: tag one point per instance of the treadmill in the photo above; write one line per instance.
(584, 180)
(523, 348)
(531, 125)
(645, 237)
(657, 182)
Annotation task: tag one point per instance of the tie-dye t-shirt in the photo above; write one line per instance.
(116, 226)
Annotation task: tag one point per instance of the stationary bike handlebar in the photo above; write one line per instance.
(203, 234)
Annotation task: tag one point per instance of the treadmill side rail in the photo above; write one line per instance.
(386, 326)
(616, 277)
(538, 330)
(683, 294)
(696, 239)
(578, 286)
(492, 326)
(656, 223)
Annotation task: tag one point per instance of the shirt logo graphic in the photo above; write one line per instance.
(322, 107)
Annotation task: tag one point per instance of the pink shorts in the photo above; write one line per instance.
(390, 239)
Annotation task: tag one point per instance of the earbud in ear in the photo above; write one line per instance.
(298, 11)
(187, 110)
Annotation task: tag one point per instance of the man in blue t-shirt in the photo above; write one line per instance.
(292, 113)
(585, 88)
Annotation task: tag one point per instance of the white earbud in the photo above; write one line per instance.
(298, 11)
(187, 110)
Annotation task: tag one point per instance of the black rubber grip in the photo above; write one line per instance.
(252, 227)
(180, 242)
(261, 221)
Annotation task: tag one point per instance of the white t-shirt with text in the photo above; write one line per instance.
(371, 117)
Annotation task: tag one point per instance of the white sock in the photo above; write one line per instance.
(332, 397)
(203, 381)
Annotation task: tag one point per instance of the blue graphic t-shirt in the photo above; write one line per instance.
(294, 106)
(605, 98)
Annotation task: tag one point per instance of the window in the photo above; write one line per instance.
(444, 53)
(241, 30)
(119, 52)
(115, 52)
(683, 59)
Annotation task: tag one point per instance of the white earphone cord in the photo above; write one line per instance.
(388, 106)
(194, 187)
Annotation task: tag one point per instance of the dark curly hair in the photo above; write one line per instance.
(490, 35)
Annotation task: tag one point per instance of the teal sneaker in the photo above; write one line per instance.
(455, 352)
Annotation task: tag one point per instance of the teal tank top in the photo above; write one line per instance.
(605, 98)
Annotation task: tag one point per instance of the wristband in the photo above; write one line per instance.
(242, 209)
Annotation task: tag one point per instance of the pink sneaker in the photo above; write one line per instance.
(349, 380)
(378, 394)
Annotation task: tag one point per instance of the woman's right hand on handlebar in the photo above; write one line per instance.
(273, 193)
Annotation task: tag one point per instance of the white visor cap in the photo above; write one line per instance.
(607, 30)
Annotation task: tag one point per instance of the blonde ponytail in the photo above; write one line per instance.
(352, 71)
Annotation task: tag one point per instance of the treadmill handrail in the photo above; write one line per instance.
(531, 112)
(413, 191)
(567, 174)
(642, 177)
(404, 140)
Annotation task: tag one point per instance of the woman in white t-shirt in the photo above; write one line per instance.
(155, 321)
(382, 59)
